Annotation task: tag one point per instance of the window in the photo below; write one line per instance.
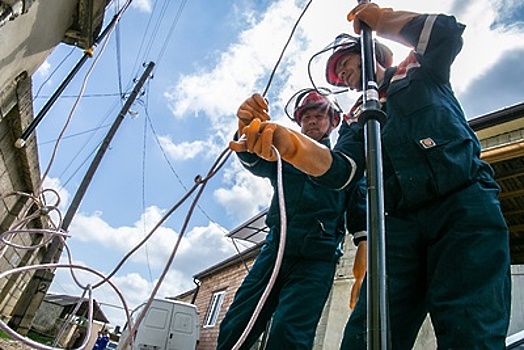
(214, 309)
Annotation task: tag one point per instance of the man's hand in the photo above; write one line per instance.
(368, 13)
(254, 107)
(297, 149)
(386, 22)
(359, 271)
(260, 137)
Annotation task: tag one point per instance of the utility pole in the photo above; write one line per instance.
(37, 287)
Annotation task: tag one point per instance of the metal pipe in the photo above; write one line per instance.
(47, 106)
(372, 115)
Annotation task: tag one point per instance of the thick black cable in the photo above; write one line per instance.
(118, 52)
(144, 223)
(284, 49)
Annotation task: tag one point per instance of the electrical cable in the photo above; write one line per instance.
(144, 221)
(282, 208)
(83, 96)
(171, 29)
(118, 52)
(75, 105)
(152, 36)
(199, 181)
(295, 26)
(53, 72)
(279, 258)
(171, 167)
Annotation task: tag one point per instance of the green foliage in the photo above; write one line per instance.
(40, 338)
(4, 335)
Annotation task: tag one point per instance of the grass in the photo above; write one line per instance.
(4, 335)
(37, 337)
(40, 338)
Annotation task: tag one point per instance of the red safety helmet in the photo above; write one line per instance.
(345, 43)
(311, 99)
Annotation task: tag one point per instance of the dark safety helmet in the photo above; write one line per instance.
(312, 99)
(345, 43)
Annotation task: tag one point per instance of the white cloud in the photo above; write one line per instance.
(201, 247)
(94, 229)
(54, 184)
(246, 196)
(241, 70)
(188, 150)
(142, 5)
(483, 46)
(44, 69)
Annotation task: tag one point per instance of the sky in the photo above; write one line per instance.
(209, 57)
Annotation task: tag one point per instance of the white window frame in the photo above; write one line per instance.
(214, 309)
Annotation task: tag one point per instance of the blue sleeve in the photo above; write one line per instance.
(356, 218)
(256, 165)
(348, 158)
(437, 40)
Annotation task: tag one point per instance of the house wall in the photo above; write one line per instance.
(516, 323)
(30, 38)
(19, 171)
(336, 311)
(228, 279)
(26, 42)
(46, 318)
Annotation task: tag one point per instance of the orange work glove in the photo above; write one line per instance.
(297, 149)
(254, 107)
(386, 22)
(359, 271)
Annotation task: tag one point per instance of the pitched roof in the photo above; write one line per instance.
(68, 301)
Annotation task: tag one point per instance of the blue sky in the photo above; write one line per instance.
(216, 55)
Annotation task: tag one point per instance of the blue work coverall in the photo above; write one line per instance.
(447, 250)
(315, 228)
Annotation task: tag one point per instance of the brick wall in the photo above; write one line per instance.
(229, 277)
(228, 280)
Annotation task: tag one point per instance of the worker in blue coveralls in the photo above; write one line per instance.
(447, 246)
(101, 341)
(315, 228)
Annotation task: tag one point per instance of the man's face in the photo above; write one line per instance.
(348, 69)
(315, 123)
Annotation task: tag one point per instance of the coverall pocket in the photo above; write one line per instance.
(450, 161)
(435, 158)
(319, 245)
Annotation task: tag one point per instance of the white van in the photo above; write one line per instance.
(168, 325)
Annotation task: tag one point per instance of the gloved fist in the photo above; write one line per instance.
(359, 271)
(254, 107)
(260, 138)
(386, 22)
(368, 13)
(297, 149)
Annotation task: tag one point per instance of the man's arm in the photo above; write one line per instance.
(356, 221)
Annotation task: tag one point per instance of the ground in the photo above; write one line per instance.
(13, 345)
